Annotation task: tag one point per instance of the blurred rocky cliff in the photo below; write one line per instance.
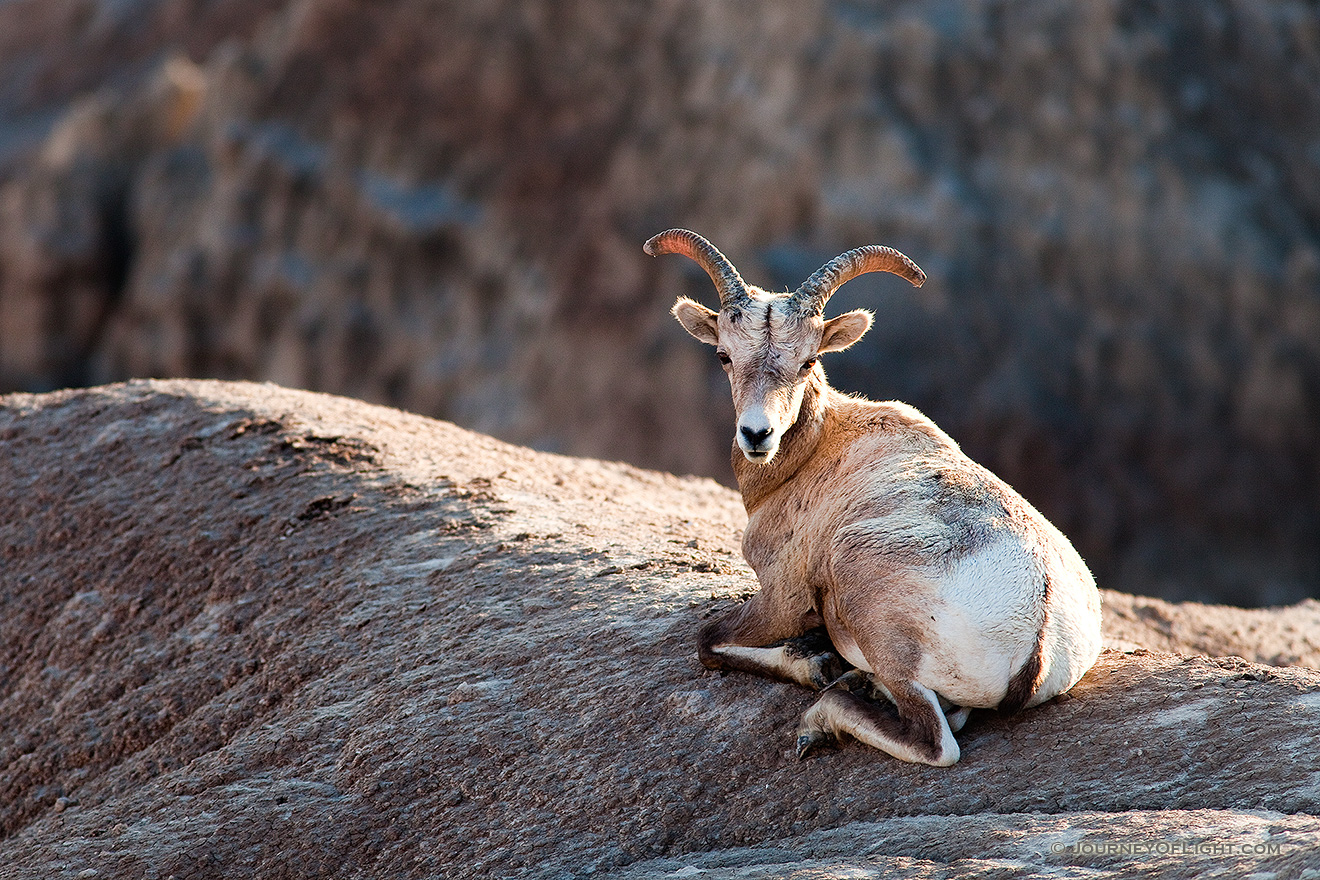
(440, 205)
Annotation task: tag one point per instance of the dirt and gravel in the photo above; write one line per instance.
(249, 632)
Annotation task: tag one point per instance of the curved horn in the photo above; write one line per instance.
(816, 290)
(728, 282)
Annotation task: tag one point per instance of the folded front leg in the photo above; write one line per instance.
(753, 638)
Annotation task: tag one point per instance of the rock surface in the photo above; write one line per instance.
(253, 632)
(1286, 636)
(439, 205)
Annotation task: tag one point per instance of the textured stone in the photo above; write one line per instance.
(1284, 636)
(255, 632)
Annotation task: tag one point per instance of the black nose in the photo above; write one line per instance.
(754, 438)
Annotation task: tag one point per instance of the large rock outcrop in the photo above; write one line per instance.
(253, 632)
(440, 206)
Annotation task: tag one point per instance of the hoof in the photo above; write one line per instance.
(810, 741)
(854, 681)
(814, 729)
(825, 670)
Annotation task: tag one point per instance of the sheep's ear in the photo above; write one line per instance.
(698, 320)
(844, 330)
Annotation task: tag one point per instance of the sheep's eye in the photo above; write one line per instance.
(809, 363)
(724, 358)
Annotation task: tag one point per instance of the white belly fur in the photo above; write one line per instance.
(983, 617)
(1072, 637)
(987, 612)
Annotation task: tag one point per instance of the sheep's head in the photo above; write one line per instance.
(770, 344)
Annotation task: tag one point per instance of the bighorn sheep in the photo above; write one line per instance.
(942, 586)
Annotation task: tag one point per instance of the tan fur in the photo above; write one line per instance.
(926, 570)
